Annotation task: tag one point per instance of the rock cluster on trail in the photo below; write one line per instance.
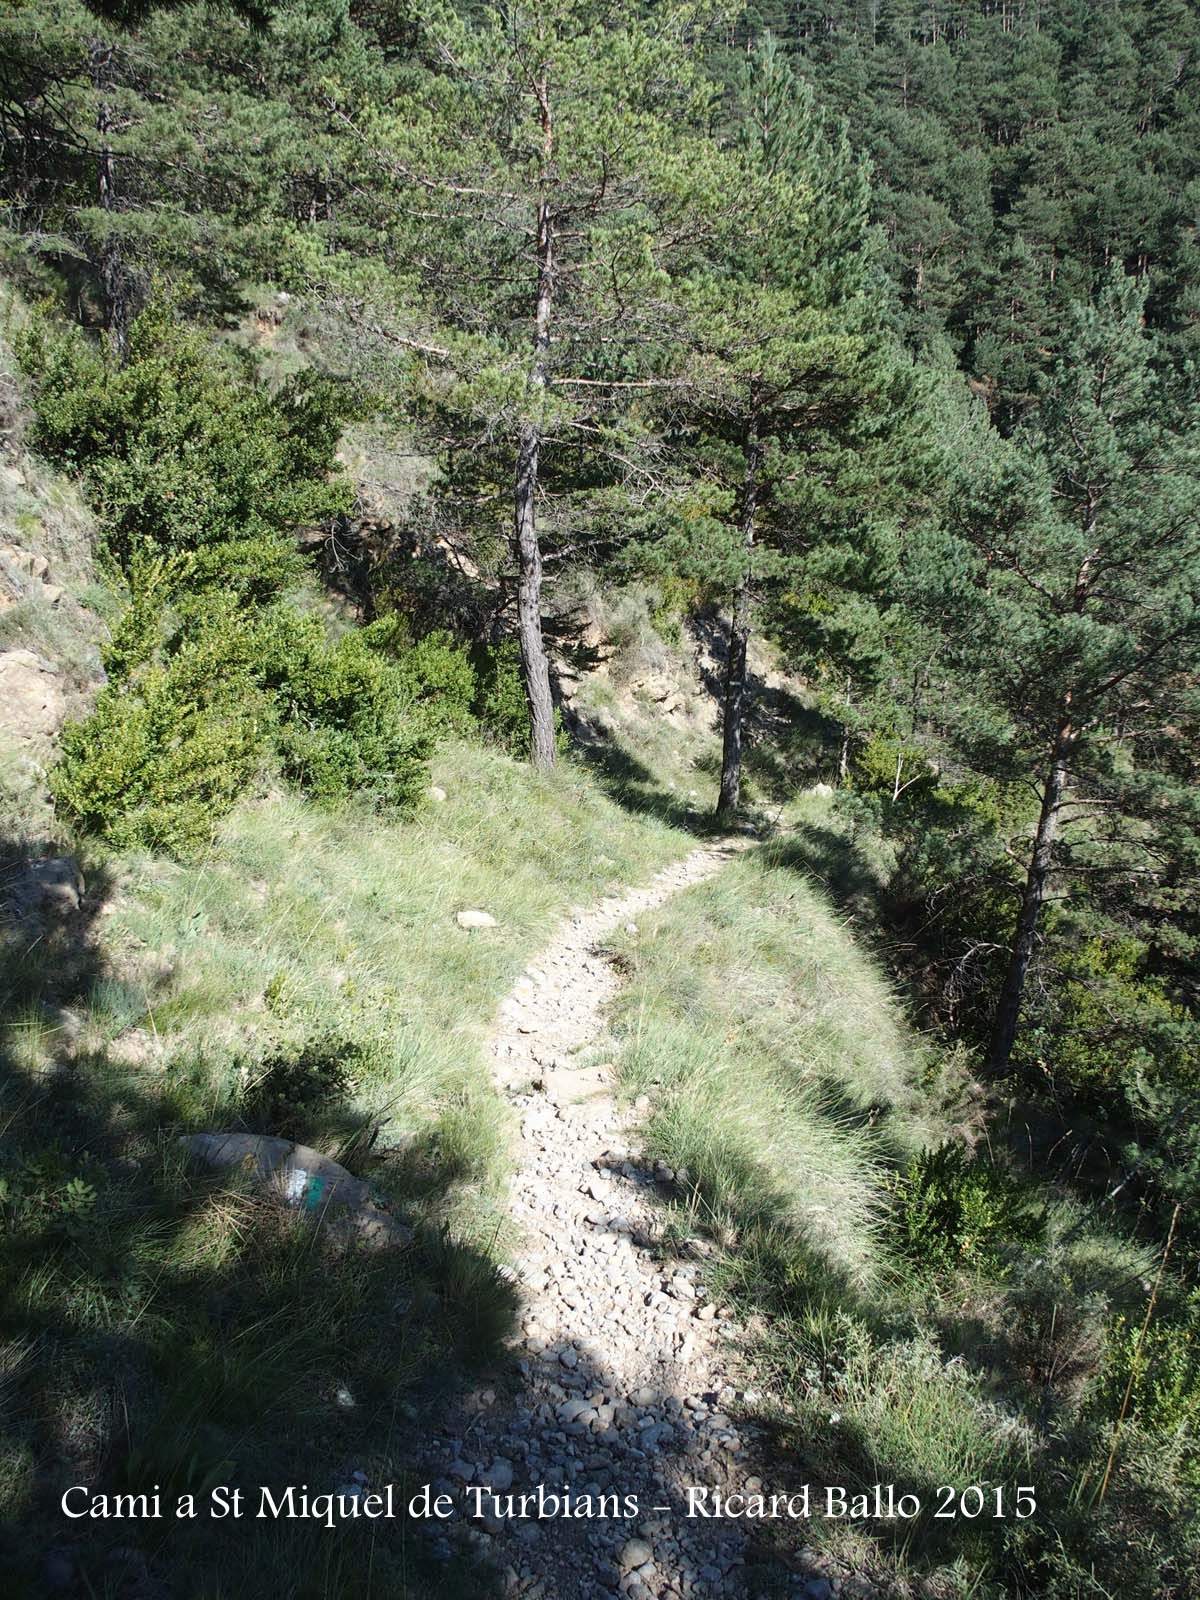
(626, 1382)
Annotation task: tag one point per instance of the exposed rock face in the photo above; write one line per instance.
(23, 576)
(32, 703)
(304, 1179)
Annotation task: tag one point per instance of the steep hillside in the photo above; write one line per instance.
(599, 800)
(307, 975)
(308, 978)
(49, 624)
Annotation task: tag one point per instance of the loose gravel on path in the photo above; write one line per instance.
(628, 1372)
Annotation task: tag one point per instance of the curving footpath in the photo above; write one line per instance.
(627, 1371)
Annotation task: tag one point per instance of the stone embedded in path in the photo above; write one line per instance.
(634, 1553)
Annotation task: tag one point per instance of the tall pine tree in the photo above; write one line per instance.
(798, 394)
(1087, 544)
(548, 188)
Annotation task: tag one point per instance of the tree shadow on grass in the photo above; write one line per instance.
(788, 743)
(802, 1318)
(165, 1331)
(630, 782)
(835, 860)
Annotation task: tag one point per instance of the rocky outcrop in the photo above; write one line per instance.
(33, 705)
(25, 576)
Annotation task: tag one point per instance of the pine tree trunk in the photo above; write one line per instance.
(844, 751)
(739, 632)
(535, 666)
(1008, 1011)
(113, 279)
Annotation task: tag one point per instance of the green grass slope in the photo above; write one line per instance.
(306, 978)
(931, 1349)
(781, 1070)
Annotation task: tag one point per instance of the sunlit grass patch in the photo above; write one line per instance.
(306, 978)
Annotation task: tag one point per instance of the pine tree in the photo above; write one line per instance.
(165, 150)
(546, 188)
(1088, 544)
(799, 388)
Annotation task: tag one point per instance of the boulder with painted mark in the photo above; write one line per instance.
(303, 1179)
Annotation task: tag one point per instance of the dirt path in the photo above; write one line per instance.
(626, 1368)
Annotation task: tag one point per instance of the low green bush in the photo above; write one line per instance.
(951, 1211)
(436, 673)
(343, 711)
(160, 759)
(199, 473)
(182, 449)
(500, 705)
(307, 1094)
(1164, 1365)
(172, 743)
(459, 688)
(1106, 1027)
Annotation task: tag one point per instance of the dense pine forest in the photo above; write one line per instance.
(461, 457)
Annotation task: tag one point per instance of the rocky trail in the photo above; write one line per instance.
(627, 1377)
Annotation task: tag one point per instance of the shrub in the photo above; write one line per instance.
(1165, 1367)
(138, 632)
(344, 722)
(950, 887)
(500, 703)
(158, 762)
(1108, 1027)
(307, 1095)
(952, 1211)
(882, 765)
(678, 598)
(182, 450)
(458, 688)
(199, 473)
(170, 745)
(438, 680)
